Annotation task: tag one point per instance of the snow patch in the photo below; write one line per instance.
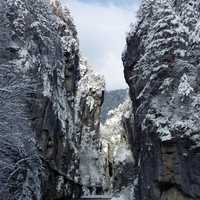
(46, 85)
(184, 88)
(127, 193)
(122, 154)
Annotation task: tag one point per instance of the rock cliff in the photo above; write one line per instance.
(89, 99)
(119, 158)
(40, 149)
(112, 99)
(161, 65)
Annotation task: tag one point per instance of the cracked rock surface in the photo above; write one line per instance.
(161, 65)
(39, 75)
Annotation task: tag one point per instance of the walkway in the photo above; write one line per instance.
(97, 197)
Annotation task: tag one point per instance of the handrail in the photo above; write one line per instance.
(97, 197)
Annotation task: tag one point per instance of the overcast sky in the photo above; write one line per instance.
(102, 26)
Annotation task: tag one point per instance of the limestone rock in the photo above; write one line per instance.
(161, 66)
(40, 149)
(119, 159)
(89, 100)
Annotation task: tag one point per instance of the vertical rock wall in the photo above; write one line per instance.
(161, 64)
(40, 149)
(89, 100)
(119, 159)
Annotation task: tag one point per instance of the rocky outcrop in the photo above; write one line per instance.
(39, 73)
(89, 100)
(161, 64)
(119, 160)
(112, 99)
(37, 49)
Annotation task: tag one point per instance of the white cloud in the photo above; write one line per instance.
(102, 31)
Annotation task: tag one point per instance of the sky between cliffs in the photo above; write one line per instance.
(102, 26)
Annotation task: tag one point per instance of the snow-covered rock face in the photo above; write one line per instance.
(119, 158)
(161, 62)
(89, 99)
(39, 73)
(112, 131)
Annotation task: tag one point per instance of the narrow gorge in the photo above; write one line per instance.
(54, 142)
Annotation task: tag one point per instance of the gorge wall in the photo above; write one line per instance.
(41, 130)
(89, 100)
(112, 99)
(119, 158)
(50, 104)
(162, 69)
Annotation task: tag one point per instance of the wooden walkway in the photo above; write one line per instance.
(96, 197)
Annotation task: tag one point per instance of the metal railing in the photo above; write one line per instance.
(96, 197)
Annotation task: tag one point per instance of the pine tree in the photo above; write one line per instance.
(190, 14)
(194, 50)
(145, 8)
(144, 15)
(166, 43)
(191, 19)
(167, 38)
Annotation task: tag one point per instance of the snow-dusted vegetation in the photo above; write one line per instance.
(161, 62)
(53, 145)
(117, 150)
(88, 107)
(112, 131)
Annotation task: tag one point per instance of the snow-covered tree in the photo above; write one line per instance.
(115, 143)
(167, 36)
(113, 131)
(162, 70)
(190, 14)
